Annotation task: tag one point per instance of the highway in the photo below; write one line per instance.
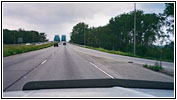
(74, 62)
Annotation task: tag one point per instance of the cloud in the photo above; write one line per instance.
(151, 7)
(59, 18)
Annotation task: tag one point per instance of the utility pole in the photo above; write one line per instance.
(161, 57)
(161, 52)
(134, 29)
(84, 35)
(33, 37)
(14, 37)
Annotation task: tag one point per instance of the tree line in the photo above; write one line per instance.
(118, 34)
(12, 36)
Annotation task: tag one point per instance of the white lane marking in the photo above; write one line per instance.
(101, 70)
(43, 62)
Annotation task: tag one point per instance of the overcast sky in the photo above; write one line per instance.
(59, 18)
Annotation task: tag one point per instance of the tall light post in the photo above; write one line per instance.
(14, 37)
(33, 37)
(84, 35)
(161, 42)
(134, 29)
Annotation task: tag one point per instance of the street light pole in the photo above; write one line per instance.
(161, 52)
(33, 37)
(84, 35)
(14, 37)
(134, 28)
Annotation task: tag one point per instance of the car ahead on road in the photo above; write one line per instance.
(95, 88)
(64, 43)
(55, 45)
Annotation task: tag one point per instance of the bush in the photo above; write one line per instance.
(155, 67)
(147, 53)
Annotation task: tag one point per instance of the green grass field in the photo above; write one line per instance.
(110, 51)
(17, 49)
(122, 53)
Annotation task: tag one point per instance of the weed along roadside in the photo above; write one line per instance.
(9, 50)
(121, 53)
(156, 67)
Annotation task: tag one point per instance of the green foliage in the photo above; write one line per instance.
(118, 34)
(11, 36)
(169, 9)
(78, 33)
(168, 17)
(17, 49)
(154, 53)
(155, 67)
(111, 51)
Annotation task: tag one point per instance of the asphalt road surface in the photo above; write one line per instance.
(73, 62)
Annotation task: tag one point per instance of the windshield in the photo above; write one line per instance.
(59, 41)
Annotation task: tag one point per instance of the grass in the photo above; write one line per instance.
(9, 50)
(111, 51)
(122, 53)
(155, 67)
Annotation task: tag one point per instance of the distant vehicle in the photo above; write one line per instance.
(55, 45)
(27, 44)
(57, 38)
(64, 43)
(63, 38)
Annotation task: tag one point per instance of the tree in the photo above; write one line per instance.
(77, 34)
(122, 28)
(119, 32)
(169, 9)
(11, 36)
(168, 15)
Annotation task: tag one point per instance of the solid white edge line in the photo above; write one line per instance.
(43, 62)
(101, 70)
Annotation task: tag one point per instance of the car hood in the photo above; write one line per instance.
(92, 92)
(95, 88)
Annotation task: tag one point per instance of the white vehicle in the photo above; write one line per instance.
(95, 88)
(27, 44)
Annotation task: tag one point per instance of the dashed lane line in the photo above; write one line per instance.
(101, 70)
(43, 62)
